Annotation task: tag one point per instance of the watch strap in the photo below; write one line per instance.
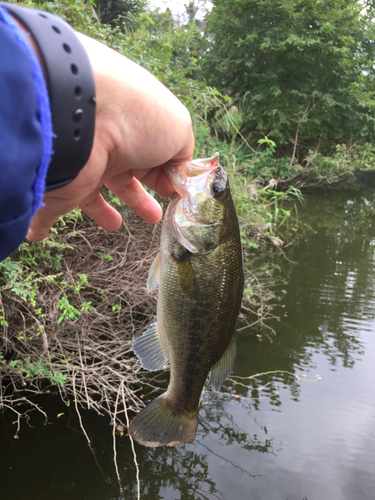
(71, 90)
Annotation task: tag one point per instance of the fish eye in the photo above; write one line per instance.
(218, 189)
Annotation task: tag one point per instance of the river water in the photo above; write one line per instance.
(275, 437)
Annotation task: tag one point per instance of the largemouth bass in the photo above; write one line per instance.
(199, 271)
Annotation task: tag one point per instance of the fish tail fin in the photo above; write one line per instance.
(159, 425)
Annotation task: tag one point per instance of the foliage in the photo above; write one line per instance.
(301, 71)
(31, 369)
(110, 11)
(263, 209)
(343, 164)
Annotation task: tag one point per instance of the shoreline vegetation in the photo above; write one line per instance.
(71, 306)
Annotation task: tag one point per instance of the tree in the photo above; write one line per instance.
(110, 10)
(301, 70)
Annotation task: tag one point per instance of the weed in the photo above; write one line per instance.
(31, 369)
(68, 312)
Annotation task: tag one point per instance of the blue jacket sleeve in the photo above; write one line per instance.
(21, 139)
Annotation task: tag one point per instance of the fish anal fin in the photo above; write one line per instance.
(154, 273)
(158, 425)
(224, 366)
(149, 350)
(185, 272)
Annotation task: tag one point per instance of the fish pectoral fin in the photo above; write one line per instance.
(224, 366)
(154, 273)
(149, 350)
(185, 272)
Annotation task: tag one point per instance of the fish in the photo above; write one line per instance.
(199, 272)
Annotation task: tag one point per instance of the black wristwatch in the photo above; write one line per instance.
(71, 90)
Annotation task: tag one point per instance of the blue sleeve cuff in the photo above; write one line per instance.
(25, 135)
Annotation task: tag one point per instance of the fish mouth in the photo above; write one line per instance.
(188, 222)
(181, 174)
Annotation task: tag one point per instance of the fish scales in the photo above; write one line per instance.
(207, 334)
(200, 278)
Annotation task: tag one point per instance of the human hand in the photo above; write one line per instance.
(139, 126)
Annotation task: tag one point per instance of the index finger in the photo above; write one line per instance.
(126, 187)
(156, 180)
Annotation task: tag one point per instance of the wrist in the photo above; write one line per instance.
(30, 39)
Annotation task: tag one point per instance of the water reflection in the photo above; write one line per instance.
(330, 289)
(219, 424)
(187, 470)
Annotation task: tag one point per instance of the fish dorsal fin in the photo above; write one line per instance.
(149, 350)
(185, 272)
(224, 366)
(154, 273)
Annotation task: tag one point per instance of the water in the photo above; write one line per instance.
(278, 438)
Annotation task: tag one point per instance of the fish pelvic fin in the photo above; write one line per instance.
(154, 273)
(149, 350)
(224, 366)
(159, 425)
